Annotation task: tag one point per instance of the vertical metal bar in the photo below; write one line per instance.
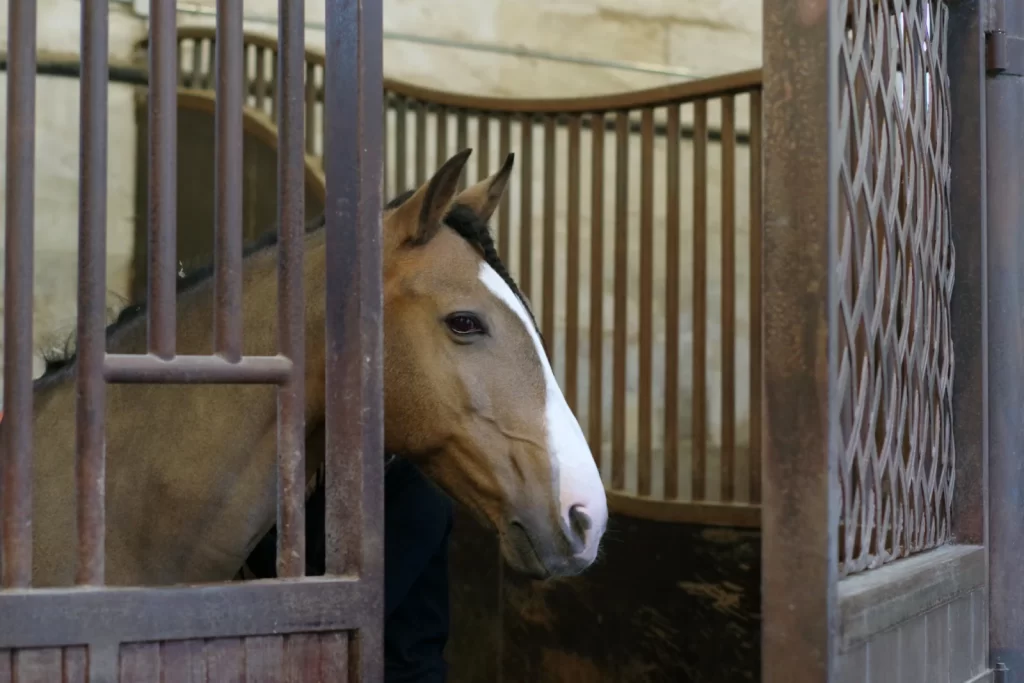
(19, 224)
(595, 409)
(700, 291)
(526, 207)
(227, 286)
(504, 220)
(209, 49)
(800, 512)
(291, 397)
(163, 182)
(275, 86)
(756, 255)
(547, 324)
(90, 406)
(196, 77)
(401, 147)
(261, 79)
(420, 114)
(646, 370)
(483, 146)
(619, 334)
(673, 190)
(462, 139)
(728, 480)
(572, 271)
(442, 136)
(354, 375)
(389, 191)
(310, 107)
(182, 74)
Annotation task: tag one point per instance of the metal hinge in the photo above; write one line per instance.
(1004, 53)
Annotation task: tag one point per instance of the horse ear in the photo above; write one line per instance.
(419, 218)
(485, 196)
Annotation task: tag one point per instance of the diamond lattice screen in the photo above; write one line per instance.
(895, 278)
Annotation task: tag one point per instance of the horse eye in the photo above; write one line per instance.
(464, 324)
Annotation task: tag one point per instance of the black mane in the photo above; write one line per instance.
(460, 218)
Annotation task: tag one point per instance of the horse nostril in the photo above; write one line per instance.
(580, 523)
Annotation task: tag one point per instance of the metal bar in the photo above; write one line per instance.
(483, 147)
(698, 462)
(673, 190)
(55, 617)
(504, 209)
(547, 324)
(354, 344)
(401, 147)
(646, 341)
(163, 192)
(461, 140)
(526, 207)
(619, 334)
(420, 114)
(969, 306)
(196, 76)
(310, 108)
(90, 406)
(275, 86)
(728, 291)
(756, 294)
(572, 271)
(595, 409)
(227, 286)
(261, 79)
(291, 200)
(799, 512)
(138, 369)
(442, 136)
(19, 222)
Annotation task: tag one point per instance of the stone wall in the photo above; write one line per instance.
(690, 36)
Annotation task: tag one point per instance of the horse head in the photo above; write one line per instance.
(469, 393)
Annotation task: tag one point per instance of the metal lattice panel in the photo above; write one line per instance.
(895, 278)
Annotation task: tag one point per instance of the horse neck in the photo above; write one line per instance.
(190, 469)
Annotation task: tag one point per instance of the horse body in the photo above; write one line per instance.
(190, 469)
(469, 398)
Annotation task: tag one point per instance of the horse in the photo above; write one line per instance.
(469, 397)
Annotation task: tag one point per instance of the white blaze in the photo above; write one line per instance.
(579, 482)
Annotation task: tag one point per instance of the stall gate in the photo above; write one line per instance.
(892, 346)
(294, 628)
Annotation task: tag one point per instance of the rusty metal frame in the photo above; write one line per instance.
(800, 513)
(350, 598)
(1003, 252)
(800, 499)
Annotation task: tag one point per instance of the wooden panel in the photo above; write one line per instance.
(139, 662)
(302, 657)
(884, 658)
(37, 665)
(183, 661)
(937, 628)
(264, 659)
(5, 666)
(914, 651)
(979, 632)
(881, 599)
(960, 668)
(936, 646)
(853, 665)
(225, 660)
(335, 663)
(76, 665)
